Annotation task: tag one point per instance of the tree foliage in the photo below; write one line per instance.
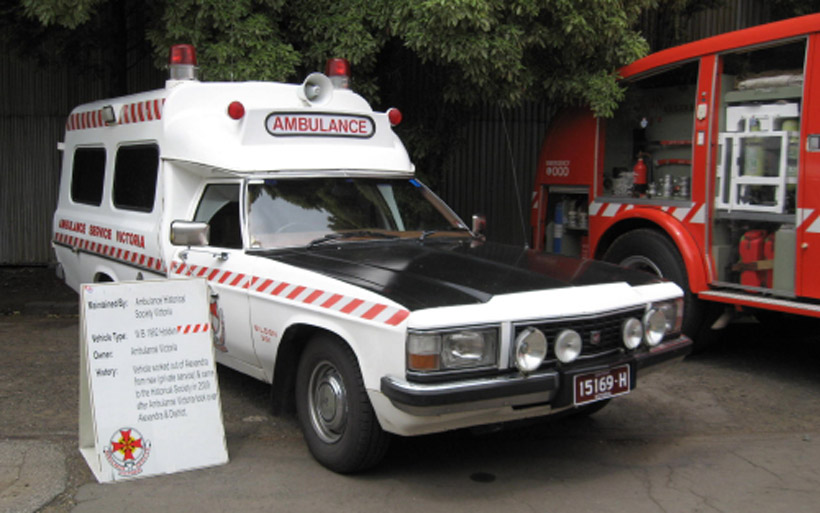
(504, 51)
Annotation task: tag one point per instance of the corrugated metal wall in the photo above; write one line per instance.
(34, 104)
(492, 169)
(33, 107)
(733, 16)
(662, 29)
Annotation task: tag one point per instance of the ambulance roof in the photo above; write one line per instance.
(279, 131)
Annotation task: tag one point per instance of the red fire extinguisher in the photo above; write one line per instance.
(639, 176)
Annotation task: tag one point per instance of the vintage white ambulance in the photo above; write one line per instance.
(335, 274)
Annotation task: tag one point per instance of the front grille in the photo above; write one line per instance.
(603, 328)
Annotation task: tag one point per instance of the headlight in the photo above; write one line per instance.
(654, 327)
(568, 346)
(673, 311)
(463, 349)
(632, 333)
(530, 349)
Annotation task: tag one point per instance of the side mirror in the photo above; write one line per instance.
(479, 225)
(190, 233)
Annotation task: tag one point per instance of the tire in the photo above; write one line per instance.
(337, 419)
(650, 251)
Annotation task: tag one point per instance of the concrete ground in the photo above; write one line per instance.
(736, 429)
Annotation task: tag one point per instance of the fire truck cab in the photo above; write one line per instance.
(707, 174)
(335, 274)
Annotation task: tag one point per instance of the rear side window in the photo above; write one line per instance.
(88, 175)
(135, 177)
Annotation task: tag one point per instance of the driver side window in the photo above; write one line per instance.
(219, 207)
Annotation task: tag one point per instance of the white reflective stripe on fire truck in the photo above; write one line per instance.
(594, 207)
(700, 215)
(803, 214)
(354, 307)
(611, 209)
(814, 227)
(680, 213)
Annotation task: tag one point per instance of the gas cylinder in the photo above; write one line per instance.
(639, 174)
(751, 251)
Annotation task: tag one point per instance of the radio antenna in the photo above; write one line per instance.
(515, 178)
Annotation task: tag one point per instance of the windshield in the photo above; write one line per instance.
(301, 212)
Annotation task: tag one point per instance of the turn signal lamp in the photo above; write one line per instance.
(182, 62)
(423, 352)
(338, 70)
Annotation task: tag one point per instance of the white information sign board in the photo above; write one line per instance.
(149, 397)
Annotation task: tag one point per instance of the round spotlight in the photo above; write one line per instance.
(568, 346)
(632, 332)
(654, 325)
(530, 349)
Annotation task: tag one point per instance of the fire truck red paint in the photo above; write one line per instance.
(708, 174)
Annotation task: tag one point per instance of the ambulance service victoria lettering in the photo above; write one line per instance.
(338, 125)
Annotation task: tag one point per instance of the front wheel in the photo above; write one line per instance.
(336, 416)
(650, 251)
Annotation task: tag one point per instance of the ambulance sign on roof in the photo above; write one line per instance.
(319, 124)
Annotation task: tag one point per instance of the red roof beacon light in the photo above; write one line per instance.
(338, 70)
(236, 110)
(182, 62)
(394, 116)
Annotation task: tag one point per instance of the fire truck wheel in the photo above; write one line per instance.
(648, 250)
(336, 416)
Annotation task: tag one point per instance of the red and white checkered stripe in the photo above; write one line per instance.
(138, 112)
(368, 310)
(84, 120)
(695, 214)
(192, 328)
(123, 255)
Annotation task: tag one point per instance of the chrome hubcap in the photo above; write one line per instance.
(328, 402)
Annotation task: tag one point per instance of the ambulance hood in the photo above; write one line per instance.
(431, 274)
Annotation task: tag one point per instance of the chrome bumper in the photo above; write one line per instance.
(551, 387)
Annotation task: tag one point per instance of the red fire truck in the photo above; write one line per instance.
(707, 174)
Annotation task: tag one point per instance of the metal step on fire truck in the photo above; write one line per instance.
(708, 174)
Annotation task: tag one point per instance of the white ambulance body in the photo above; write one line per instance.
(337, 276)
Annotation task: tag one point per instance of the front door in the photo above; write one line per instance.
(224, 264)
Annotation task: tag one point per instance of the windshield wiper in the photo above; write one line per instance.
(330, 237)
(427, 233)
